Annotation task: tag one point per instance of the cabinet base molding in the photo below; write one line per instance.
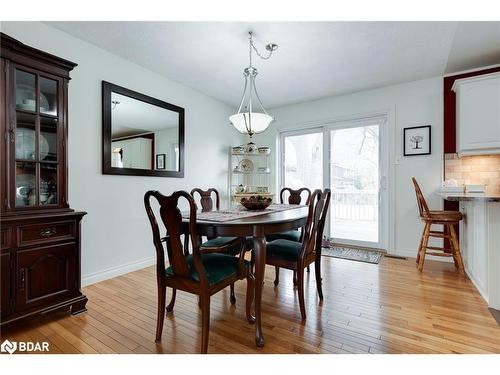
(78, 302)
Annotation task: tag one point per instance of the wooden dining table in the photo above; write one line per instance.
(257, 227)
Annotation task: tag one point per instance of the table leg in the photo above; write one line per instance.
(259, 248)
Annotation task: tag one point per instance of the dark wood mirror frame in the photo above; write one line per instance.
(107, 89)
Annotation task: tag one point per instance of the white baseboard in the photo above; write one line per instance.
(117, 271)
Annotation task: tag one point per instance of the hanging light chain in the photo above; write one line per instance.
(252, 46)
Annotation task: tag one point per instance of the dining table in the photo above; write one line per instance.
(235, 223)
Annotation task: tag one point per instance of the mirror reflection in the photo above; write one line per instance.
(143, 136)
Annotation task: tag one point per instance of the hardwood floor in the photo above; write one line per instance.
(385, 308)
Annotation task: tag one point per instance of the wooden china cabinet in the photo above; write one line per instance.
(40, 233)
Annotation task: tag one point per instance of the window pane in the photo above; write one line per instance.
(48, 139)
(25, 184)
(48, 184)
(25, 136)
(25, 91)
(48, 96)
(304, 161)
(354, 171)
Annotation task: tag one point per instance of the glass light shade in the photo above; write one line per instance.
(259, 122)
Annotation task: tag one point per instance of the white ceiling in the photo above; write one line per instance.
(314, 59)
(131, 117)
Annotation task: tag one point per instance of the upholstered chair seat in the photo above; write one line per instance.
(291, 235)
(284, 249)
(217, 267)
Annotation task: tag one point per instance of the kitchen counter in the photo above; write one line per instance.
(470, 197)
(480, 242)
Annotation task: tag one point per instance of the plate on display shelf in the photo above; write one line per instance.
(24, 139)
(246, 165)
(24, 92)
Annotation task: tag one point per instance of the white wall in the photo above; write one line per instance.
(410, 104)
(165, 142)
(116, 236)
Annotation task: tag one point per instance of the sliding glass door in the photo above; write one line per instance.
(302, 160)
(356, 155)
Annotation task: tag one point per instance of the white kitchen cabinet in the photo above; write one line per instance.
(480, 244)
(478, 114)
(136, 152)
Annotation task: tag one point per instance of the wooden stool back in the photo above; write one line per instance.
(422, 204)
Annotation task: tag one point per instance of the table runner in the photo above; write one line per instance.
(240, 212)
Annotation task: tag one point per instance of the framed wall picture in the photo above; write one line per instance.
(417, 140)
(160, 161)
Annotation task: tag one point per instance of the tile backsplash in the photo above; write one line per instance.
(482, 170)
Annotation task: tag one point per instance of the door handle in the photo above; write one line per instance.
(383, 182)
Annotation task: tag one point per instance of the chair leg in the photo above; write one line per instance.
(308, 270)
(232, 297)
(277, 277)
(317, 273)
(457, 256)
(294, 278)
(250, 297)
(162, 290)
(423, 249)
(170, 306)
(420, 245)
(300, 287)
(205, 318)
(452, 246)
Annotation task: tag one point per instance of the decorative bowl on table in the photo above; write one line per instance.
(256, 202)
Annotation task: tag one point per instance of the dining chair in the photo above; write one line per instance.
(196, 273)
(448, 219)
(295, 196)
(297, 256)
(227, 245)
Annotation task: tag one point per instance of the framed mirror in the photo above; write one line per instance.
(142, 136)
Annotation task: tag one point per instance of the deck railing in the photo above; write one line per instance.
(354, 205)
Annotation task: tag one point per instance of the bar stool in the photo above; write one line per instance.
(446, 218)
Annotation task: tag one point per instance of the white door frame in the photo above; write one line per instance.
(386, 173)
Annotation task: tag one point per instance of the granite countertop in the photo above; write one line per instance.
(470, 197)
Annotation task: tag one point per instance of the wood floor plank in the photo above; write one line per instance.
(385, 308)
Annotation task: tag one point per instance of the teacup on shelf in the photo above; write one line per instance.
(238, 150)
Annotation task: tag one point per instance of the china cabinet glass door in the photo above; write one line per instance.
(37, 160)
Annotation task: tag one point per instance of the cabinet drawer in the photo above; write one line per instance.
(44, 233)
(6, 238)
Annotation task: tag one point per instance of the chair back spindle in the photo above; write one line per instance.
(422, 204)
(322, 221)
(318, 207)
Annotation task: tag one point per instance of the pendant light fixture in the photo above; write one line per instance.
(247, 120)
